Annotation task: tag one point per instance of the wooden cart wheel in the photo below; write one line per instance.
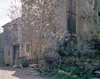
(49, 62)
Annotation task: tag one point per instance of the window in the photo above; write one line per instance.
(15, 32)
(6, 32)
(71, 17)
(27, 48)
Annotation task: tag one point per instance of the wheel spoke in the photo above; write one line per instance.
(54, 55)
(43, 68)
(55, 64)
(50, 67)
(47, 68)
(50, 54)
(57, 61)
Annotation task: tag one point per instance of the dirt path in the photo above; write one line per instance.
(15, 73)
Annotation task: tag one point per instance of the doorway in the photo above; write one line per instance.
(16, 55)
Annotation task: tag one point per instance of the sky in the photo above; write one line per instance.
(4, 4)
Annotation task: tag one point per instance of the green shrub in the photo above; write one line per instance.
(84, 76)
(68, 69)
(71, 77)
(59, 75)
(88, 74)
(98, 76)
(65, 77)
(73, 69)
(65, 68)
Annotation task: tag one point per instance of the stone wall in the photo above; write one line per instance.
(7, 44)
(87, 22)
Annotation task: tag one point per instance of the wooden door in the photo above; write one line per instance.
(71, 16)
(16, 55)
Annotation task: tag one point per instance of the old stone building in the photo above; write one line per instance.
(80, 18)
(11, 42)
(13, 46)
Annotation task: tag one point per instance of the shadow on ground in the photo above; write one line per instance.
(15, 73)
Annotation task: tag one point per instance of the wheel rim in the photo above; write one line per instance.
(49, 67)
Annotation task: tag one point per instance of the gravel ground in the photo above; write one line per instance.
(18, 73)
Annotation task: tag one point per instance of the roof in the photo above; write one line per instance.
(9, 24)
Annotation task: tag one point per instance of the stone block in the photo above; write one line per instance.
(61, 71)
(33, 65)
(68, 74)
(97, 72)
(75, 76)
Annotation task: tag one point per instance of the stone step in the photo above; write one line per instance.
(33, 66)
(66, 73)
(21, 66)
(97, 72)
(61, 71)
